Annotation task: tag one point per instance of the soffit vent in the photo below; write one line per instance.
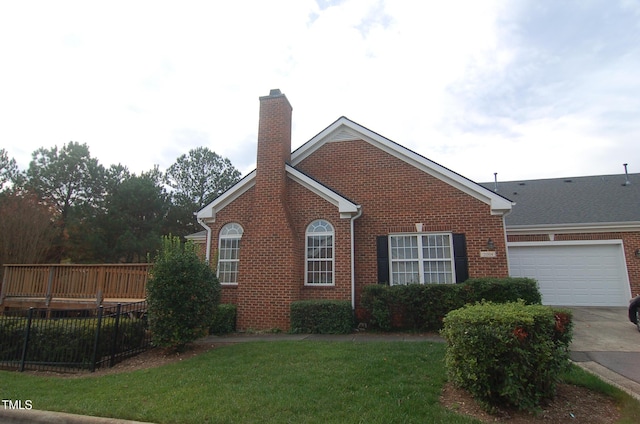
(343, 135)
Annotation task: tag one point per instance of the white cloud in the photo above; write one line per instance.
(524, 89)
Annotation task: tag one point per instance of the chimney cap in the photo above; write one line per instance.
(275, 92)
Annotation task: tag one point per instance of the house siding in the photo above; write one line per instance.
(263, 289)
(395, 196)
(630, 242)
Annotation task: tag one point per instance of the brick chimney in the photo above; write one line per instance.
(274, 143)
(268, 268)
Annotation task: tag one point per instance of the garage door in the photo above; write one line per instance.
(582, 274)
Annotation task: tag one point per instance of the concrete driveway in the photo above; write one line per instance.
(606, 343)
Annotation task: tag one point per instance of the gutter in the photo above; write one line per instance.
(353, 260)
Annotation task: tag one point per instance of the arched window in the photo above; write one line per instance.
(320, 253)
(228, 253)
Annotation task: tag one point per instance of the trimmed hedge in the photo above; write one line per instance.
(68, 340)
(321, 316)
(224, 321)
(422, 307)
(508, 354)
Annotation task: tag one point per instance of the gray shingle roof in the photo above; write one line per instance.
(574, 200)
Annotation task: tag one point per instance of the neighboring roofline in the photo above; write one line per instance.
(344, 129)
(594, 227)
(199, 236)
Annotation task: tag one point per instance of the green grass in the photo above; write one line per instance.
(279, 382)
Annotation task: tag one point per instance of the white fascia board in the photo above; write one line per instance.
(499, 205)
(594, 227)
(209, 212)
(564, 243)
(345, 206)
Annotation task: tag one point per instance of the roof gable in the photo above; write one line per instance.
(344, 129)
(346, 207)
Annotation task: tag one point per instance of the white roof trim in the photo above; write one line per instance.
(344, 129)
(594, 227)
(209, 211)
(345, 206)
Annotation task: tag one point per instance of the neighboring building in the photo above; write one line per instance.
(579, 237)
(346, 209)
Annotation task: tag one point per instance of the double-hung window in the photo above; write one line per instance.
(421, 258)
(228, 253)
(320, 253)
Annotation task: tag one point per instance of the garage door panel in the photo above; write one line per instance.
(580, 275)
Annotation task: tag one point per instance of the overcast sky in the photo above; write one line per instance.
(527, 89)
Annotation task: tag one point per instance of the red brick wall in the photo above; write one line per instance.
(394, 196)
(630, 242)
(305, 207)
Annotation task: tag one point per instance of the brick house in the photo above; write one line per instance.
(346, 209)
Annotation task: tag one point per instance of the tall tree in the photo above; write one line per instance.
(26, 228)
(197, 178)
(65, 179)
(8, 169)
(133, 220)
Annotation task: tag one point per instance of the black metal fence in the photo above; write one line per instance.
(50, 340)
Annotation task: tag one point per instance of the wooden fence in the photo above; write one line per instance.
(69, 285)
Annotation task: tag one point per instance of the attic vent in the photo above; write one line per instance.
(568, 181)
(343, 135)
(521, 184)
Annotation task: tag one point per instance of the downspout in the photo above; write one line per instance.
(353, 260)
(506, 238)
(206, 227)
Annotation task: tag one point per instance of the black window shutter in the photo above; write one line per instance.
(382, 245)
(460, 258)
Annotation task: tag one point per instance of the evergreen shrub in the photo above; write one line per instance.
(224, 321)
(322, 316)
(508, 354)
(422, 307)
(182, 295)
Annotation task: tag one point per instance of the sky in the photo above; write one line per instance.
(527, 89)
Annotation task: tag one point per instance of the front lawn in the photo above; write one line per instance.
(279, 382)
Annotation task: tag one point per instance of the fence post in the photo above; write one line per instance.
(27, 333)
(49, 286)
(96, 342)
(116, 330)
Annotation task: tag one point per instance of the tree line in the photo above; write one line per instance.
(67, 207)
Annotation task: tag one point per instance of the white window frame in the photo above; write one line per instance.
(320, 229)
(229, 257)
(417, 258)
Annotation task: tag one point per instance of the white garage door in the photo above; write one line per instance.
(574, 273)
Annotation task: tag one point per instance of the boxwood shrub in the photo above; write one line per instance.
(224, 321)
(422, 307)
(508, 354)
(322, 316)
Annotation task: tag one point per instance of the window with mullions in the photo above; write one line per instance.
(421, 259)
(228, 253)
(320, 253)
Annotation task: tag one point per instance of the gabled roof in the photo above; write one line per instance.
(597, 202)
(345, 206)
(344, 129)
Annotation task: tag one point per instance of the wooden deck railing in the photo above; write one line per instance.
(65, 281)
